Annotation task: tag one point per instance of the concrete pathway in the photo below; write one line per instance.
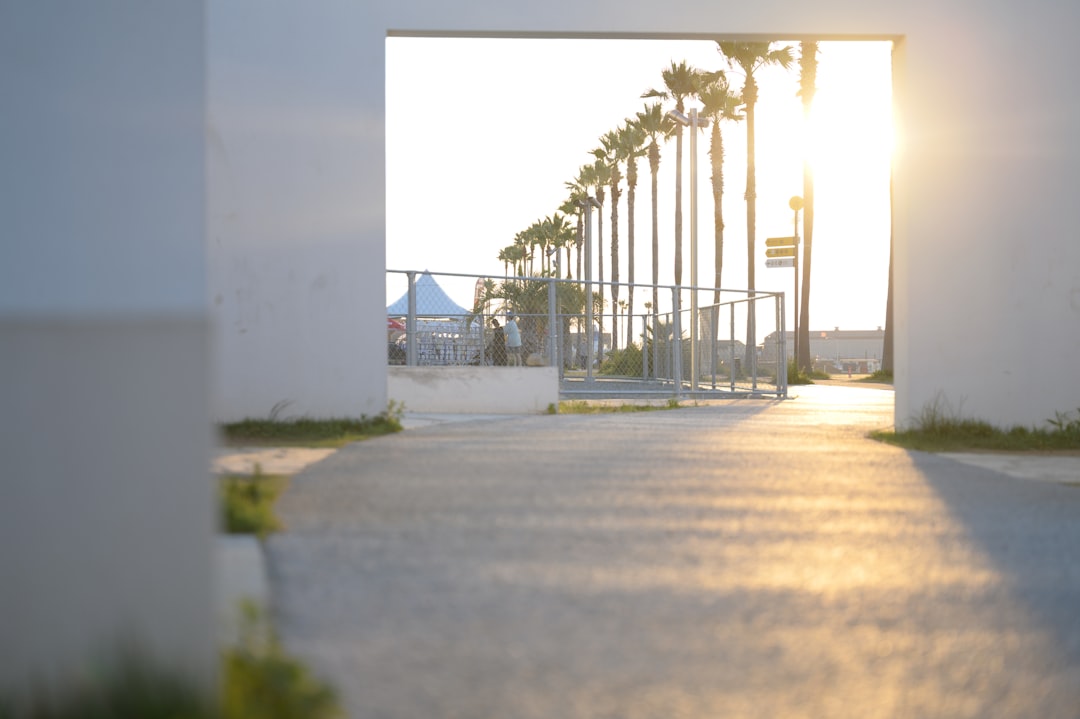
(750, 558)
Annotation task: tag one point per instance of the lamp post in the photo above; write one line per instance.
(694, 123)
(553, 314)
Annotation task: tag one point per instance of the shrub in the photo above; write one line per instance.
(623, 362)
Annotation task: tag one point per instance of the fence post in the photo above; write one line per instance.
(411, 337)
(731, 342)
(553, 338)
(644, 354)
(752, 337)
(676, 345)
(781, 372)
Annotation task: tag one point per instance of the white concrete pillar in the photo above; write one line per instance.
(107, 513)
(296, 244)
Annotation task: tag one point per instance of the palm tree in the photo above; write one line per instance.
(609, 153)
(720, 104)
(631, 144)
(571, 206)
(749, 57)
(655, 124)
(602, 175)
(545, 233)
(521, 245)
(513, 255)
(680, 82)
(807, 88)
(579, 191)
(565, 238)
(528, 241)
(553, 230)
(505, 255)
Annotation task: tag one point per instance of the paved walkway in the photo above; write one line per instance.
(751, 558)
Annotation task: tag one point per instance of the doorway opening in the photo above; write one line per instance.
(487, 135)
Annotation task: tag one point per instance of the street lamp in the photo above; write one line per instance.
(553, 315)
(694, 123)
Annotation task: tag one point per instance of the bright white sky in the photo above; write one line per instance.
(482, 134)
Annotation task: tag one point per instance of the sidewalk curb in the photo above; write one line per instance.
(241, 578)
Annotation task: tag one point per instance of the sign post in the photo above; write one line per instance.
(784, 252)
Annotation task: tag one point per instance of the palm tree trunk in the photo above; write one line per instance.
(614, 258)
(751, 225)
(631, 182)
(716, 154)
(654, 167)
(600, 267)
(580, 240)
(808, 82)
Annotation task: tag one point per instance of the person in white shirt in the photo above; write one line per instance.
(513, 339)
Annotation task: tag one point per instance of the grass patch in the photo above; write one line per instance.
(585, 407)
(262, 681)
(247, 502)
(882, 376)
(315, 433)
(938, 429)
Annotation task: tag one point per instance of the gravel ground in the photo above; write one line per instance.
(749, 558)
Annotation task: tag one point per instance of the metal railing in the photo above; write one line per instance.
(638, 349)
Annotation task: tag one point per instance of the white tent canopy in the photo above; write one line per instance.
(431, 301)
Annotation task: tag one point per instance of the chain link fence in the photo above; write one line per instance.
(659, 341)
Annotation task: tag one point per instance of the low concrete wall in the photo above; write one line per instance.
(474, 389)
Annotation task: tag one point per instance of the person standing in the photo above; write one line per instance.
(513, 339)
(497, 348)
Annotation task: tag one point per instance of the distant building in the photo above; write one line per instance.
(835, 350)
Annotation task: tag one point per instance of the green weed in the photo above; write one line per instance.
(264, 681)
(259, 680)
(584, 407)
(797, 376)
(307, 432)
(247, 502)
(940, 428)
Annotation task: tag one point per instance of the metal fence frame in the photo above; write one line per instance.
(466, 343)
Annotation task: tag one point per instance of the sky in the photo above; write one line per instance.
(483, 134)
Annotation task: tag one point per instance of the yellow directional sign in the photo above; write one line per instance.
(780, 252)
(781, 241)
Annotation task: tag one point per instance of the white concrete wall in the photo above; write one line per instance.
(988, 290)
(106, 509)
(496, 390)
(296, 204)
(988, 264)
